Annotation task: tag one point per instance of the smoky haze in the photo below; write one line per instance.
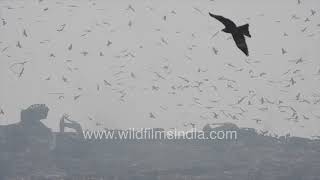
(127, 64)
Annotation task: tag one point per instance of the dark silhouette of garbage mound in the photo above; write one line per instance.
(31, 150)
(25, 146)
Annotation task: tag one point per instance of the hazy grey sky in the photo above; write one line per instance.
(147, 45)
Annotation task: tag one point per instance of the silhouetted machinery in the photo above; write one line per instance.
(66, 122)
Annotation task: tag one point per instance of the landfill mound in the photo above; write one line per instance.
(251, 156)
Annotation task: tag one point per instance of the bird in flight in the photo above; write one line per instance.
(238, 32)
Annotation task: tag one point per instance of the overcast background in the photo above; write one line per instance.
(137, 80)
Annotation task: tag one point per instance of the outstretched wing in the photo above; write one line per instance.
(226, 22)
(241, 43)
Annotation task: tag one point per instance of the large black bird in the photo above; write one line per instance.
(238, 32)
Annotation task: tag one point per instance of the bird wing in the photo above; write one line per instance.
(241, 43)
(226, 22)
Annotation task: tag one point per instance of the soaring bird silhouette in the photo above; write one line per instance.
(238, 32)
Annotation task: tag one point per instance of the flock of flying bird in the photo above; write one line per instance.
(212, 108)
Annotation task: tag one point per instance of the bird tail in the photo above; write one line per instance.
(245, 30)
